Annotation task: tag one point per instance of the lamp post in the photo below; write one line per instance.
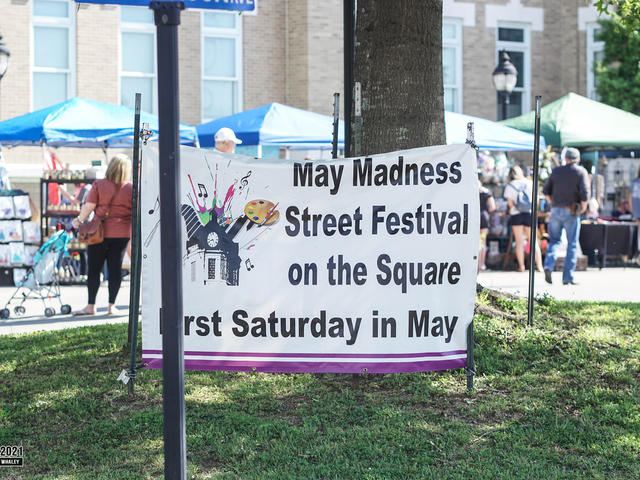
(505, 77)
(4, 61)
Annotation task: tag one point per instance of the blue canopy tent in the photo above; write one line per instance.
(488, 135)
(277, 124)
(79, 122)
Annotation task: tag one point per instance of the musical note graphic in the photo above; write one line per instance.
(155, 206)
(244, 182)
(202, 191)
(201, 208)
(249, 265)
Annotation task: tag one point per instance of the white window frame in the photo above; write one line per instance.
(235, 33)
(457, 45)
(525, 48)
(56, 22)
(138, 27)
(592, 47)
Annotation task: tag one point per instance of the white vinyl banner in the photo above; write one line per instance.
(349, 265)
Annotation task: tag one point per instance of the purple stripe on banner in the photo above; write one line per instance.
(314, 367)
(315, 355)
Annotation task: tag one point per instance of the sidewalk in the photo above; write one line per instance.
(76, 296)
(609, 284)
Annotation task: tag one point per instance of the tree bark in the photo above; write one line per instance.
(398, 62)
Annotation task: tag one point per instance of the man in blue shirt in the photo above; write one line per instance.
(567, 189)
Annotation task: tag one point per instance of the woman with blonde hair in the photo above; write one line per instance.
(109, 199)
(520, 221)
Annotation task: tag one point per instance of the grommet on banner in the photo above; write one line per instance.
(470, 136)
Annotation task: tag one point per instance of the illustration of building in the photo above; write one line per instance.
(212, 255)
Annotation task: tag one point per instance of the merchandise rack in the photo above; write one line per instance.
(53, 213)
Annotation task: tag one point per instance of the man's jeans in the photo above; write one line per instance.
(561, 218)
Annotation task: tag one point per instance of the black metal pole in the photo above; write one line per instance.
(534, 212)
(505, 105)
(167, 19)
(470, 369)
(349, 45)
(471, 364)
(134, 277)
(336, 123)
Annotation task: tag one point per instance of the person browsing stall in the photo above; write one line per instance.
(111, 200)
(226, 140)
(567, 190)
(520, 215)
(487, 205)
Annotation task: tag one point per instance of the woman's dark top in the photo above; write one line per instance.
(484, 212)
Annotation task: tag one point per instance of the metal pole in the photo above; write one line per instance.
(470, 369)
(134, 292)
(167, 19)
(594, 172)
(534, 212)
(336, 123)
(349, 45)
(471, 365)
(505, 105)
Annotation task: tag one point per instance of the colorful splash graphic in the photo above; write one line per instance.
(214, 237)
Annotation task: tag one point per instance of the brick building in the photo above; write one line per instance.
(289, 52)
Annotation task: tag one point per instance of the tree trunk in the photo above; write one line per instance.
(398, 62)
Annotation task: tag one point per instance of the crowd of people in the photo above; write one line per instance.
(567, 192)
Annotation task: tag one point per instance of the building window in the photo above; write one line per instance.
(595, 52)
(452, 64)
(138, 58)
(514, 38)
(53, 69)
(221, 65)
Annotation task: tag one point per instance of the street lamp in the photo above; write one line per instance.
(505, 77)
(4, 58)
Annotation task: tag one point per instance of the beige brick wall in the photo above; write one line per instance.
(189, 55)
(264, 59)
(292, 53)
(97, 40)
(326, 63)
(557, 56)
(297, 55)
(478, 61)
(15, 25)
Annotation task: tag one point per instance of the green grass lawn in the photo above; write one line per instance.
(559, 400)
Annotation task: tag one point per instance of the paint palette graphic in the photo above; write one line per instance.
(262, 212)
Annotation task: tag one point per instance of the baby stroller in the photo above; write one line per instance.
(41, 281)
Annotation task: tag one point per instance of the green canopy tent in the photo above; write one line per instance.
(576, 121)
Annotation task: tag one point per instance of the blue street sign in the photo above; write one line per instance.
(235, 5)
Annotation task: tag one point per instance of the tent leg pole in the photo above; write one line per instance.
(470, 369)
(534, 214)
(134, 294)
